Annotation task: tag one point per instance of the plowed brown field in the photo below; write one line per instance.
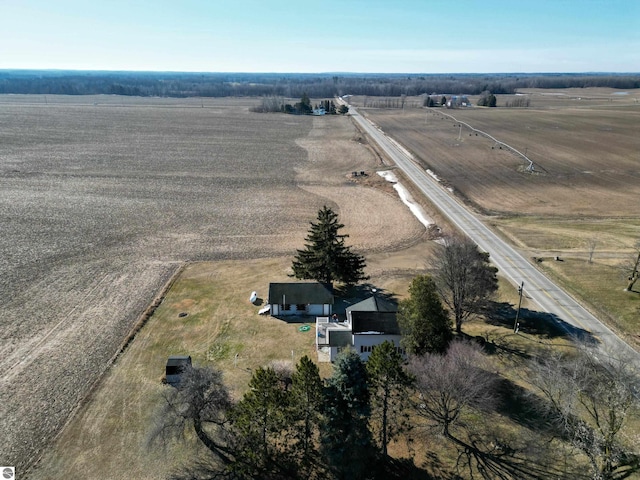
(103, 198)
(585, 150)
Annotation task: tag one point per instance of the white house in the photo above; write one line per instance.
(368, 324)
(302, 298)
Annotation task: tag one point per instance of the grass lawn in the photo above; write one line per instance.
(106, 437)
(222, 329)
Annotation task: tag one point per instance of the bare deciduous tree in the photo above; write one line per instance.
(200, 403)
(591, 400)
(592, 243)
(632, 267)
(449, 384)
(465, 278)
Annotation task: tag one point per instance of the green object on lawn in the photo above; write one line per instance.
(304, 328)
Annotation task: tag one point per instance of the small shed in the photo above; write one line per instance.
(176, 365)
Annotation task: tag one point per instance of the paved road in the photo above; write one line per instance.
(548, 296)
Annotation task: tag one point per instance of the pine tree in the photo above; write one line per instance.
(388, 385)
(345, 437)
(304, 416)
(424, 323)
(325, 257)
(260, 422)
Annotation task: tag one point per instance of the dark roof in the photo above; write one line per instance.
(301, 293)
(381, 322)
(178, 360)
(339, 338)
(373, 304)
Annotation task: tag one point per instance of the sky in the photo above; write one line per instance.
(317, 36)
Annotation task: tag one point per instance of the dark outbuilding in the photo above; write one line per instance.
(176, 365)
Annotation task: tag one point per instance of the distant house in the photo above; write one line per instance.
(458, 101)
(302, 298)
(368, 324)
(319, 111)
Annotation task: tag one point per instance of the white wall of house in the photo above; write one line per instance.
(312, 309)
(334, 352)
(363, 342)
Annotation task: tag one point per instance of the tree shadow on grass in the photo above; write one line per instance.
(402, 469)
(523, 407)
(534, 322)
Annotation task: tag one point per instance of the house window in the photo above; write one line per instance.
(285, 307)
(367, 348)
(301, 307)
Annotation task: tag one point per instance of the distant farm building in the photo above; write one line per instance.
(458, 101)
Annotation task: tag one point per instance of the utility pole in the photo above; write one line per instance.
(515, 323)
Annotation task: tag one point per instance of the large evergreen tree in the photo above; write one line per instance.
(325, 257)
(388, 383)
(424, 323)
(304, 416)
(345, 437)
(259, 419)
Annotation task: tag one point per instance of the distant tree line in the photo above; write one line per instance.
(518, 102)
(173, 84)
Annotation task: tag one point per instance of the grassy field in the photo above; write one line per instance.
(106, 438)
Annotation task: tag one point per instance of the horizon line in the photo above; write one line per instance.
(350, 73)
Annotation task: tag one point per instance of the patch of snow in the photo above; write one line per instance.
(407, 199)
(433, 175)
(388, 175)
